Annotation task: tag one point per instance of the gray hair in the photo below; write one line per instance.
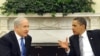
(18, 20)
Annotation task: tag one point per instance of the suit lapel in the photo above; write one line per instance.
(15, 43)
(26, 44)
(76, 45)
(94, 42)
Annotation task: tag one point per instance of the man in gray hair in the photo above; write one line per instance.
(16, 42)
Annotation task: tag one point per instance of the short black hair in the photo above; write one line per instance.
(81, 20)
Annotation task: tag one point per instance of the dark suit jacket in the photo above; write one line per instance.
(94, 39)
(9, 45)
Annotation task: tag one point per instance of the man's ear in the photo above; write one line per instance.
(15, 26)
(83, 25)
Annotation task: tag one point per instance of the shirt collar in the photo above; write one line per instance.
(18, 37)
(84, 33)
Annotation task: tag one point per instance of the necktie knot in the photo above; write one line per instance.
(80, 36)
(22, 40)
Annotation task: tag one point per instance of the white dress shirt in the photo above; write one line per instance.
(19, 40)
(87, 50)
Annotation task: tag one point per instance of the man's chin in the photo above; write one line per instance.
(75, 34)
(25, 35)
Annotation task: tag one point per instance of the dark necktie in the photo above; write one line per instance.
(23, 53)
(81, 45)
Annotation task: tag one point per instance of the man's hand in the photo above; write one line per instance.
(64, 45)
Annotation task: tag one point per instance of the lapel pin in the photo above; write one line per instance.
(91, 38)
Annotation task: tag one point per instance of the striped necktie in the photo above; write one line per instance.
(23, 48)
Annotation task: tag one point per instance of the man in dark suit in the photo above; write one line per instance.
(83, 42)
(17, 42)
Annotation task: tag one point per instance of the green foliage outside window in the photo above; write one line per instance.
(46, 6)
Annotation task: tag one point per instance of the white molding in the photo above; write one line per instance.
(56, 15)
